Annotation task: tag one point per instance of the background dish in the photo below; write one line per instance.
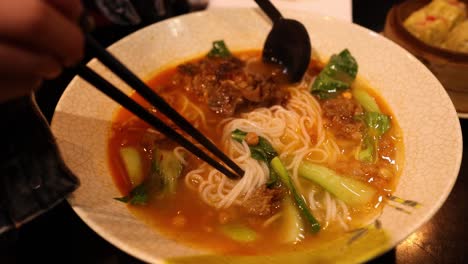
(82, 118)
(448, 66)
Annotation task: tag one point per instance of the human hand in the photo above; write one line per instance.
(37, 39)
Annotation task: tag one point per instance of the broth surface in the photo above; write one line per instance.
(186, 218)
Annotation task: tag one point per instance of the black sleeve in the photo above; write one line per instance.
(33, 177)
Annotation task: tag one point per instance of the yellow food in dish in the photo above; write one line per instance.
(438, 22)
(458, 38)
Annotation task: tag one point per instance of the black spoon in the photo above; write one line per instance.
(287, 44)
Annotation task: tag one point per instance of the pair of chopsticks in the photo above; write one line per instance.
(94, 48)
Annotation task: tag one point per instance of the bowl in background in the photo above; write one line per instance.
(450, 67)
(431, 130)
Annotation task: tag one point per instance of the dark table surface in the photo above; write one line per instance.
(444, 239)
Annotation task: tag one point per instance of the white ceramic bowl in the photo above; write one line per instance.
(432, 134)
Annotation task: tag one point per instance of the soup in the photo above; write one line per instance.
(320, 156)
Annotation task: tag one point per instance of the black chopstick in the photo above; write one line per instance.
(121, 98)
(154, 99)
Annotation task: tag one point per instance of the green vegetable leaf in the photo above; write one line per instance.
(238, 135)
(368, 149)
(219, 50)
(342, 67)
(377, 124)
(263, 151)
(337, 75)
(264, 147)
(258, 154)
(137, 196)
(273, 179)
(123, 199)
(326, 87)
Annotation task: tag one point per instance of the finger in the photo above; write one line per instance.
(18, 62)
(35, 23)
(70, 8)
(14, 88)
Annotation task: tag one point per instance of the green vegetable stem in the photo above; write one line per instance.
(349, 190)
(162, 178)
(265, 152)
(278, 166)
(377, 124)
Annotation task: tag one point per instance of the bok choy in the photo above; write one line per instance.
(137, 196)
(377, 124)
(238, 232)
(350, 191)
(133, 164)
(263, 151)
(162, 178)
(292, 228)
(337, 75)
(219, 50)
(365, 100)
(168, 169)
(278, 166)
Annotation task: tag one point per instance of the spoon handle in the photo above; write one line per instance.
(269, 9)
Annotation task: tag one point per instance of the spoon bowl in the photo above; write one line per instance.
(287, 44)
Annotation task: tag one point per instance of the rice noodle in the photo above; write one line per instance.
(296, 132)
(192, 112)
(179, 154)
(272, 219)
